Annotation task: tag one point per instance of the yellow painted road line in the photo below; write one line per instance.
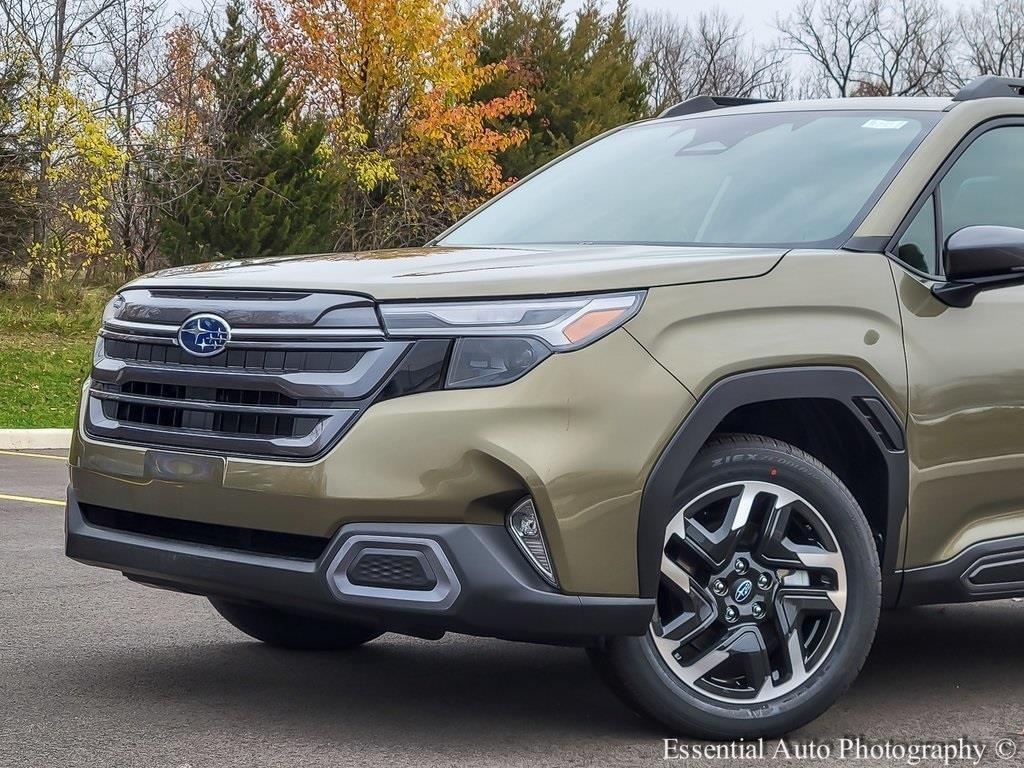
(31, 500)
(33, 455)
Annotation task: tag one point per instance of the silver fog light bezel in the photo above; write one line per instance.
(530, 539)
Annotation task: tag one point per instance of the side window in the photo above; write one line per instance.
(917, 246)
(986, 184)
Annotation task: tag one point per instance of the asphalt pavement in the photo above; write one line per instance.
(97, 671)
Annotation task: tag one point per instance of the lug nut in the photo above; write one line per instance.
(740, 566)
(757, 610)
(719, 587)
(731, 614)
(764, 581)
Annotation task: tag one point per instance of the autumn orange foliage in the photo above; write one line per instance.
(394, 80)
(185, 92)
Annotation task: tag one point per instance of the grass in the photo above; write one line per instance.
(46, 353)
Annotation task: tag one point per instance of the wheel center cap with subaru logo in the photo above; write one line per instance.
(204, 335)
(743, 590)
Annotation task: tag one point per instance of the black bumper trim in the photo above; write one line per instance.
(500, 594)
(987, 570)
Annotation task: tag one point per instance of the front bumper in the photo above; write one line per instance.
(579, 435)
(485, 586)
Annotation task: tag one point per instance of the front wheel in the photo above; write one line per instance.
(295, 631)
(768, 599)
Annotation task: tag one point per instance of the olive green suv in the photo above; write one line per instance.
(702, 396)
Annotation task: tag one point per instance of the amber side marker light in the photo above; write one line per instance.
(591, 324)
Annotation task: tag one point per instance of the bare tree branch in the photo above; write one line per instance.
(711, 56)
(834, 35)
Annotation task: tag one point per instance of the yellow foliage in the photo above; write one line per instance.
(81, 165)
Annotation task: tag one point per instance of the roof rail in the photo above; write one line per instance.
(707, 103)
(989, 86)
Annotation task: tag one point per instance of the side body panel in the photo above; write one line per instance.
(966, 419)
(815, 308)
(965, 408)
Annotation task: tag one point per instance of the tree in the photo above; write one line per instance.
(72, 195)
(834, 35)
(15, 167)
(711, 56)
(49, 32)
(666, 49)
(247, 176)
(873, 47)
(912, 51)
(125, 63)
(395, 84)
(584, 77)
(993, 39)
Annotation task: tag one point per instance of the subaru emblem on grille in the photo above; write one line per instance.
(204, 335)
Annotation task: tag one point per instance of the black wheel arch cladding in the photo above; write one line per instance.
(846, 386)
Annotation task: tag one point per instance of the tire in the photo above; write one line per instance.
(294, 631)
(808, 553)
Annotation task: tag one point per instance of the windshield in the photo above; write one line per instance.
(766, 179)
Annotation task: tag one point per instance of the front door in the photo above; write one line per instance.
(965, 366)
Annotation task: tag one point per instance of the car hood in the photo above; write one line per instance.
(444, 272)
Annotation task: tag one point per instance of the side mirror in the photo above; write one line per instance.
(980, 258)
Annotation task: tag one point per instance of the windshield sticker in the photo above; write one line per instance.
(884, 125)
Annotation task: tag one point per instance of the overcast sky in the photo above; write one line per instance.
(758, 14)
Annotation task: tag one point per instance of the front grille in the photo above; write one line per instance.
(212, 534)
(225, 423)
(272, 360)
(295, 375)
(205, 394)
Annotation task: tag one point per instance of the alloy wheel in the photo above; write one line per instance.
(752, 593)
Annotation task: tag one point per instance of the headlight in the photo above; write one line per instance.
(487, 362)
(562, 323)
(110, 311)
(115, 305)
(499, 341)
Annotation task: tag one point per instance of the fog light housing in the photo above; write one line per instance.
(99, 352)
(488, 362)
(524, 525)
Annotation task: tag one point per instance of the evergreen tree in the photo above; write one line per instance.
(261, 182)
(16, 213)
(583, 76)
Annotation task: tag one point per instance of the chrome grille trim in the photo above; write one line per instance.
(171, 331)
(287, 342)
(334, 333)
(318, 440)
(316, 379)
(355, 384)
(209, 405)
(275, 357)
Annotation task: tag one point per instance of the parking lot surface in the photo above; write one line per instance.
(96, 671)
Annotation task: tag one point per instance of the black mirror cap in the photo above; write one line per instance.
(984, 251)
(979, 258)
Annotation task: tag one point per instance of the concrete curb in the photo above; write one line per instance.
(35, 439)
